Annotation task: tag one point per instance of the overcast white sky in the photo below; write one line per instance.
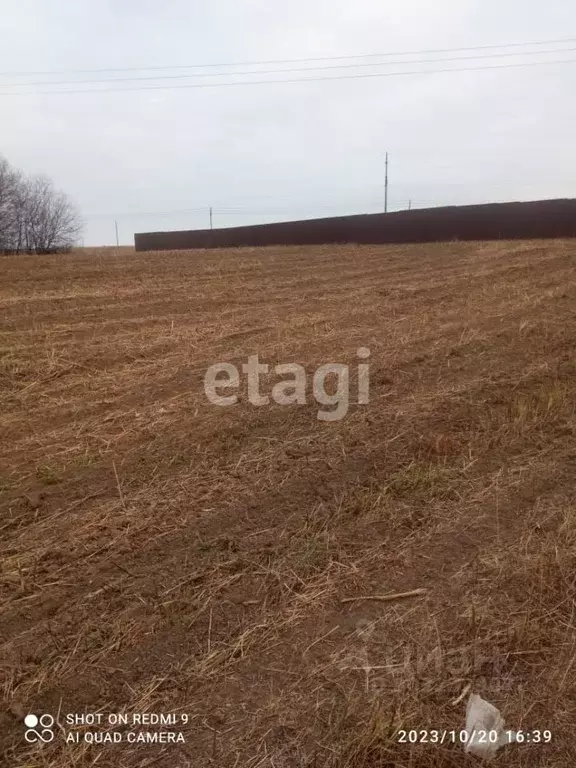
(281, 151)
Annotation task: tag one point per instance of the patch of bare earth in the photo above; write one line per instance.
(163, 555)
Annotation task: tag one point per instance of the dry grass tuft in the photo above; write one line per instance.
(160, 554)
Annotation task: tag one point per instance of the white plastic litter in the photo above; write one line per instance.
(485, 728)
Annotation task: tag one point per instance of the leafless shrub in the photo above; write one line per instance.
(34, 216)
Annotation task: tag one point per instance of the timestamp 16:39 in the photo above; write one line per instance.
(445, 736)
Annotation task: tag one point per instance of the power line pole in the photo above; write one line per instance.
(409, 205)
(211, 227)
(117, 241)
(386, 187)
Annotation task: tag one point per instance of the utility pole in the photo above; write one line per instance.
(211, 227)
(386, 187)
(117, 241)
(409, 205)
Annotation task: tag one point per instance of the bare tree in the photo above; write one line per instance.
(34, 216)
(53, 223)
(10, 181)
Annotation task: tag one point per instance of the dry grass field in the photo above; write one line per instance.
(160, 554)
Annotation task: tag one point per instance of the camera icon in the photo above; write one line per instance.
(39, 728)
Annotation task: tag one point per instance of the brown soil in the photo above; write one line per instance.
(163, 555)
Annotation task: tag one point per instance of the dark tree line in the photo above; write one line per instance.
(34, 216)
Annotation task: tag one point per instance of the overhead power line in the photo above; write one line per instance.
(425, 51)
(146, 214)
(287, 71)
(288, 81)
(289, 208)
(218, 211)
